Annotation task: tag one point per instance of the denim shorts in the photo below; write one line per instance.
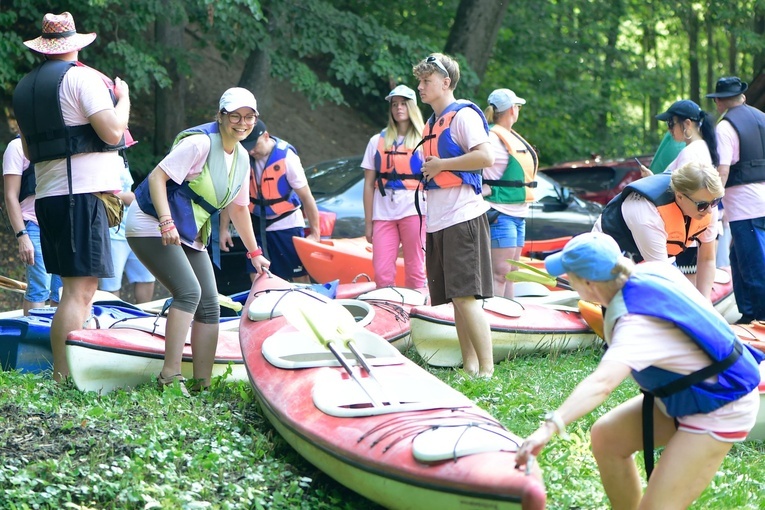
(508, 232)
(40, 285)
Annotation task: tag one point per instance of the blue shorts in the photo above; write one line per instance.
(41, 286)
(285, 262)
(124, 260)
(508, 232)
(87, 233)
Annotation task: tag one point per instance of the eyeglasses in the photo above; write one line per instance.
(434, 60)
(703, 205)
(670, 124)
(236, 118)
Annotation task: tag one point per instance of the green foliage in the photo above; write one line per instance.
(146, 448)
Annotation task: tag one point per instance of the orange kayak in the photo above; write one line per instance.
(350, 259)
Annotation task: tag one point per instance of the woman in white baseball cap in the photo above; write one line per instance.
(392, 177)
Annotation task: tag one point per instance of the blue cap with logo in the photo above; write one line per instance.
(591, 256)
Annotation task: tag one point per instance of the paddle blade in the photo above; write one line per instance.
(526, 276)
(326, 322)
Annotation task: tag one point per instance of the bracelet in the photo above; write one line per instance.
(21, 232)
(255, 253)
(554, 418)
(165, 223)
(168, 229)
(165, 216)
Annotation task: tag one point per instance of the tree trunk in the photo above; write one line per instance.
(758, 59)
(475, 30)
(256, 77)
(693, 54)
(170, 102)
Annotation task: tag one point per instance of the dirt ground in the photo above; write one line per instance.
(319, 134)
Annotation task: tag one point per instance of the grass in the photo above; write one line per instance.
(146, 448)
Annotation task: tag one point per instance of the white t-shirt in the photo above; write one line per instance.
(183, 163)
(501, 158)
(694, 151)
(83, 93)
(450, 206)
(296, 178)
(745, 201)
(396, 204)
(14, 163)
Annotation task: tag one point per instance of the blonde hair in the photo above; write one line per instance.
(413, 132)
(492, 115)
(424, 68)
(693, 176)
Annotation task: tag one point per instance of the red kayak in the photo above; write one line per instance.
(102, 360)
(402, 438)
(515, 329)
(382, 311)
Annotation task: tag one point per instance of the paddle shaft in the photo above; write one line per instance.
(341, 359)
(364, 363)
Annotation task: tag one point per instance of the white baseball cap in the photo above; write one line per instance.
(238, 97)
(503, 99)
(402, 91)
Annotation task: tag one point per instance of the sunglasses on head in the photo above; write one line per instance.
(704, 205)
(434, 60)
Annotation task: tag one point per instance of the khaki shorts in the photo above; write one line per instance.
(458, 261)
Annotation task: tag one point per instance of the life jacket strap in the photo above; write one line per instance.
(510, 184)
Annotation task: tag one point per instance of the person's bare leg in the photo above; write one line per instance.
(72, 311)
(687, 465)
(28, 305)
(475, 326)
(501, 267)
(302, 279)
(469, 356)
(144, 292)
(615, 437)
(204, 342)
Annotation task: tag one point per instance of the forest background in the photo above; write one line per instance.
(594, 72)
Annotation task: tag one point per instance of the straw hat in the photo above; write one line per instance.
(59, 36)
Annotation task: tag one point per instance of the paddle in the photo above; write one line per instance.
(527, 273)
(327, 323)
(12, 285)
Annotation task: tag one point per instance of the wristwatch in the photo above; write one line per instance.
(554, 418)
(21, 232)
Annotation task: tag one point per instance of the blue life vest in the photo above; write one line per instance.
(437, 141)
(193, 202)
(659, 290)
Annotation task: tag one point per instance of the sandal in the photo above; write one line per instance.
(169, 381)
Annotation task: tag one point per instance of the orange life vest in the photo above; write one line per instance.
(397, 167)
(273, 196)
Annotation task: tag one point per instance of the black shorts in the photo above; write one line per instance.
(75, 243)
(282, 254)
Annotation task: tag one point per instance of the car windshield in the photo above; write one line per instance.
(333, 177)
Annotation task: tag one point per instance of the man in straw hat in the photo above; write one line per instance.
(73, 120)
(741, 146)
